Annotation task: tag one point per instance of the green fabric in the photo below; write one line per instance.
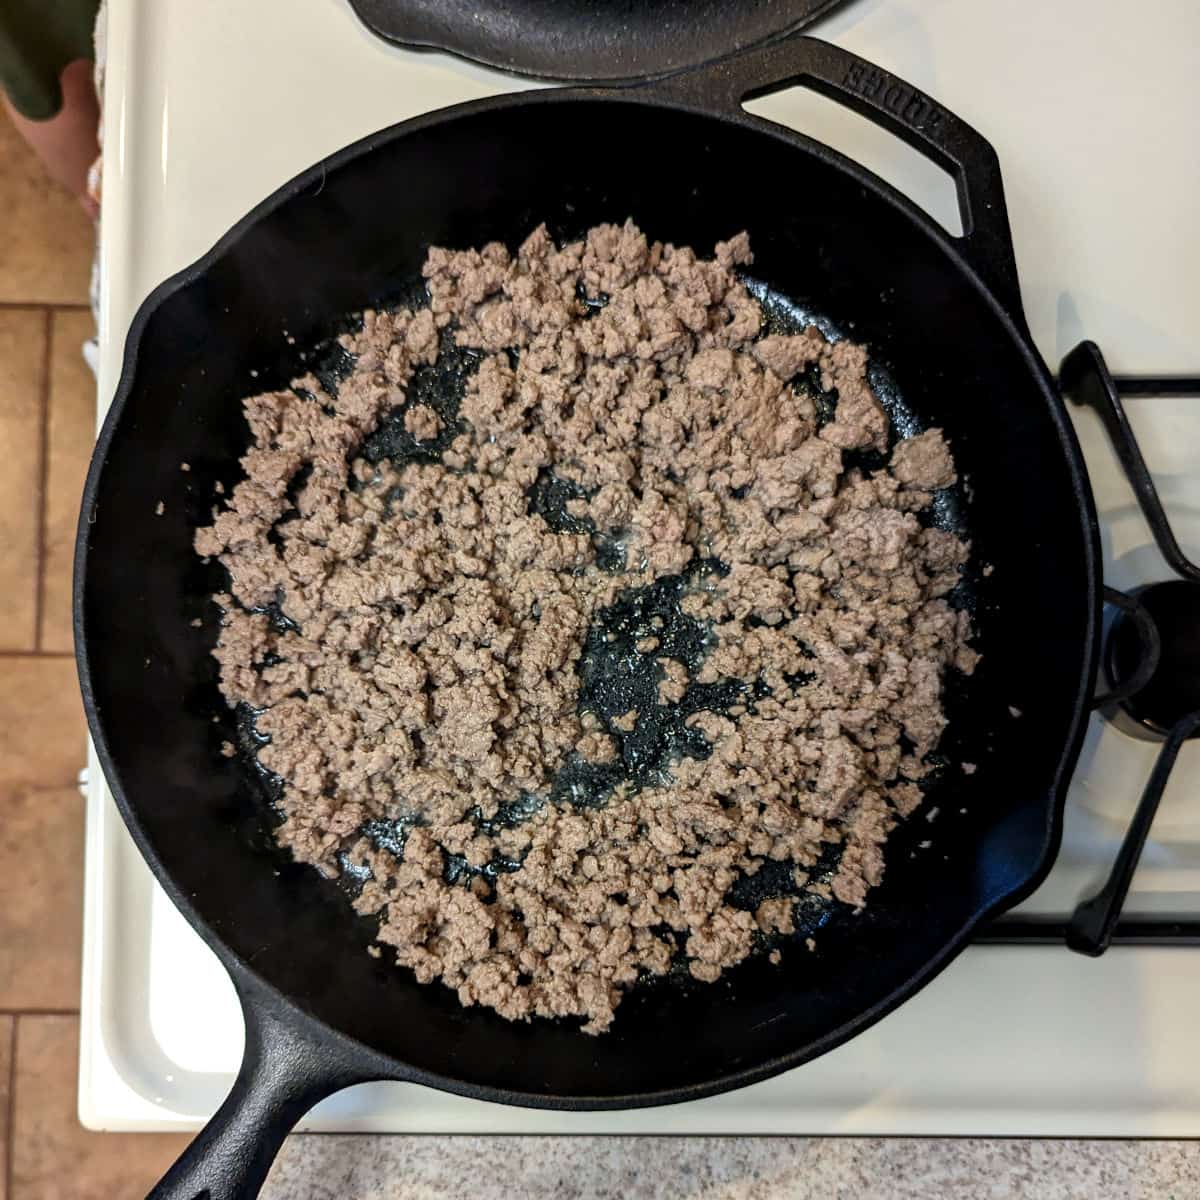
(37, 40)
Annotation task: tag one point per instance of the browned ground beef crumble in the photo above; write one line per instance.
(431, 677)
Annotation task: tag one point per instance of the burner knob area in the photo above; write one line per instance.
(1173, 690)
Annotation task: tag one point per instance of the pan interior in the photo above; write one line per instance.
(825, 243)
(616, 678)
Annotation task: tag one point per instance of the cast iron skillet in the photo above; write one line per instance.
(689, 165)
(588, 41)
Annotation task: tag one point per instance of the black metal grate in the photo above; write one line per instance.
(1097, 922)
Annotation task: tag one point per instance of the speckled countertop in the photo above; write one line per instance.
(364, 1167)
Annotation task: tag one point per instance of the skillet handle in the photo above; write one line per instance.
(889, 102)
(286, 1069)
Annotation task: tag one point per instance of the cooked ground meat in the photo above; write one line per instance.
(422, 422)
(415, 636)
(924, 461)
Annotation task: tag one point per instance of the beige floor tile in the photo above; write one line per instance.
(69, 439)
(42, 739)
(6, 1040)
(41, 833)
(22, 362)
(41, 896)
(46, 251)
(54, 1157)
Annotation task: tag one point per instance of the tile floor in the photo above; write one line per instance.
(47, 413)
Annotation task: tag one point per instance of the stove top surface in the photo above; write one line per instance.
(1093, 123)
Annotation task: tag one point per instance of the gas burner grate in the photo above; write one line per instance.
(1152, 661)
(1169, 690)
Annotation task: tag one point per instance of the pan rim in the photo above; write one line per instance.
(380, 1064)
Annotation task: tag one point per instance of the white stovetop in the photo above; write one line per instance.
(211, 107)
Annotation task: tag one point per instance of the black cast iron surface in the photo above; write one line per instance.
(1173, 688)
(941, 313)
(588, 41)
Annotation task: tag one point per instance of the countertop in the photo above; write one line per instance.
(366, 1167)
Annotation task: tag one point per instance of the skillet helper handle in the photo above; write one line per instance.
(900, 108)
(285, 1070)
